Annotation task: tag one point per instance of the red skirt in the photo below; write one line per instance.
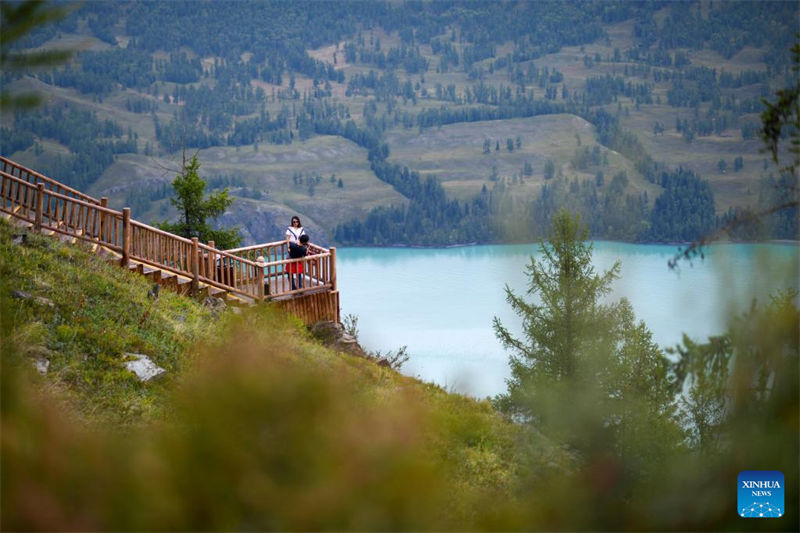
(295, 268)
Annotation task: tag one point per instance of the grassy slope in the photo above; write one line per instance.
(257, 426)
(454, 153)
(98, 313)
(270, 169)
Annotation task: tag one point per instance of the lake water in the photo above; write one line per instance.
(440, 302)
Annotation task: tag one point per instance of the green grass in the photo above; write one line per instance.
(99, 313)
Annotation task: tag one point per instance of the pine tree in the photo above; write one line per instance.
(549, 169)
(584, 371)
(194, 209)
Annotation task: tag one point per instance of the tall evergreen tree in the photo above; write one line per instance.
(195, 210)
(585, 371)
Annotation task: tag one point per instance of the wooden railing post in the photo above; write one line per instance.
(333, 268)
(103, 203)
(195, 266)
(211, 270)
(126, 236)
(260, 280)
(37, 225)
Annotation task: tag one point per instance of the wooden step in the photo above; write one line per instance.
(238, 300)
(184, 285)
(202, 291)
(169, 280)
(216, 292)
(74, 239)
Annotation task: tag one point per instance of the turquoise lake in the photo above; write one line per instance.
(440, 302)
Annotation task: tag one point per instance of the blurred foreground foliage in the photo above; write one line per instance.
(257, 438)
(259, 427)
(658, 439)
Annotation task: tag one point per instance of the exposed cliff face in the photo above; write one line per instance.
(261, 222)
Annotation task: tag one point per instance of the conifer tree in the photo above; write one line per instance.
(585, 371)
(195, 210)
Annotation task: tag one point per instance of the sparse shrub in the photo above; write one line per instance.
(350, 323)
(393, 359)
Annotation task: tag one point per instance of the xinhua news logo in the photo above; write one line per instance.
(760, 494)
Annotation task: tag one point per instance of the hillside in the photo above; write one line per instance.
(291, 109)
(256, 425)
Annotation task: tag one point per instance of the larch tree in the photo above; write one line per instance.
(584, 371)
(194, 209)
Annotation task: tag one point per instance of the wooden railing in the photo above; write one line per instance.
(46, 203)
(60, 213)
(314, 272)
(34, 178)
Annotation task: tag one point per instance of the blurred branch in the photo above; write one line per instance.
(18, 19)
(747, 217)
(784, 114)
(779, 120)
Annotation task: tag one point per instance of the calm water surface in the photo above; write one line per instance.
(440, 302)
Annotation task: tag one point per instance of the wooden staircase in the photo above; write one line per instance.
(243, 276)
(164, 278)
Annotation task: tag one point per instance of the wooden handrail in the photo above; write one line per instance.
(63, 214)
(158, 231)
(7, 166)
(273, 244)
(284, 262)
(255, 247)
(60, 196)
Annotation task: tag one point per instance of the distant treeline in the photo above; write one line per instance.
(684, 212)
(92, 142)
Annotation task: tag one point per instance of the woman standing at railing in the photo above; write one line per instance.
(294, 231)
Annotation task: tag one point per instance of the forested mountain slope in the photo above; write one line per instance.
(418, 122)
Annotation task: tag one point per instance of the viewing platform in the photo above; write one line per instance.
(184, 264)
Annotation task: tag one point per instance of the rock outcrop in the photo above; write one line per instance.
(333, 335)
(144, 367)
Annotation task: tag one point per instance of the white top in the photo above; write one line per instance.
(294, 233)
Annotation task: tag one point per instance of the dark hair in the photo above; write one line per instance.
(295, 218)
(303, 238)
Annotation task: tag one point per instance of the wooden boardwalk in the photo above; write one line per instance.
(244, 276)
